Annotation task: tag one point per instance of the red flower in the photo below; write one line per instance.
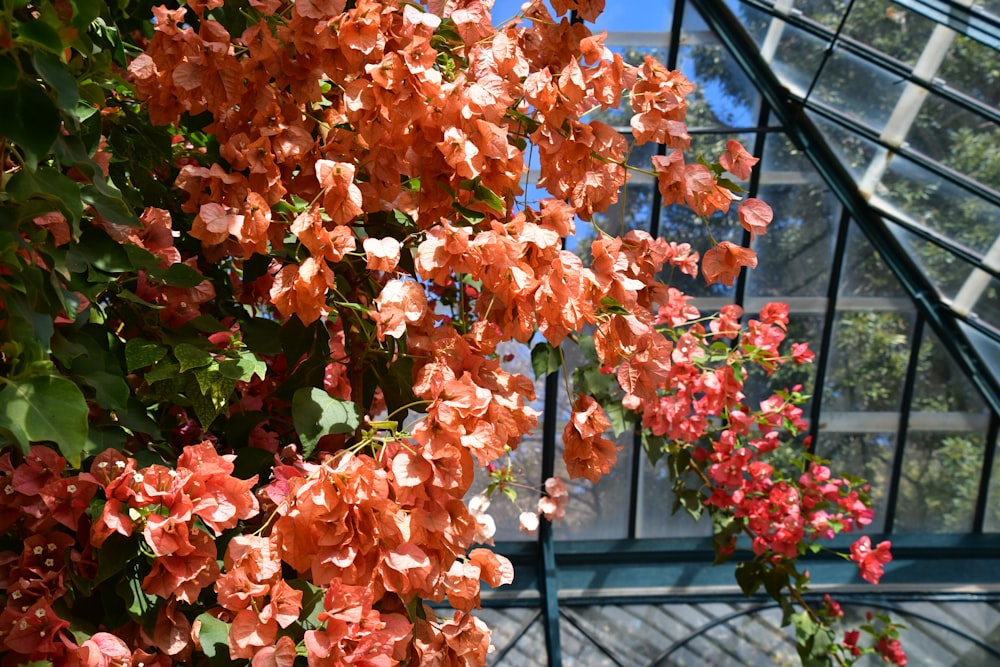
(870, 560)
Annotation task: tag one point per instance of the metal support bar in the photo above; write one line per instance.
(805, 135)
(892, 495)
(548, 574)
(826, 341)
(992, 435)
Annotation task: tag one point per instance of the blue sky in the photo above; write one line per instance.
(618, 14)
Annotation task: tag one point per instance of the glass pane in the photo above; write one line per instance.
(868, 455)
(656, 501)
(942, 206)
(868, 361)
(988, 305)
(829, 13)
(959, 139)
(853, 151)
(723, 96)
(796, 254)
(939, 482)
(945, 270)
(973, 68)
(864, 274)
(798, 59)
(889, 28)
(847, 82)
(991, 521)
(940, 385)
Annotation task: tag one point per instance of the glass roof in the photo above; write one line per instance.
(878, 128)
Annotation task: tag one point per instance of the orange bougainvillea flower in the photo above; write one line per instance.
(723, 262)
(755, 216)
(342, 199)
(737, 161)
(587, 454)
(383, 254)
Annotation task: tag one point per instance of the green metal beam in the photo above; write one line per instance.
(810, 140)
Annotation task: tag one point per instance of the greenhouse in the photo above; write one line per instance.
(877, 126)
(377, 332)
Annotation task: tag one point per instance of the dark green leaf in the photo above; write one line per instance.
(748, 577)
(190, 357)
(140, 353)
(654, 446)
(49, 184)
(31, 120)
(40, 33)
(545, 359)
(111, 391)
(47, 408)
(178, 275)
(112, 208)
(244, 368)
(84, 13)
(100, 439)
(261, 336)
(163, 370)
(114, 554)
(315, 414)
(209, 404)
(54, 72)
(9, 73)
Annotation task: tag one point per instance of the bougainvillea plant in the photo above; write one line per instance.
(257, 258)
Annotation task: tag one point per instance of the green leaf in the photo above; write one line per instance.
(490, 198)
(41, 34)
(84, 13)
(244, 368)
(621, 419)
(111, 207)
(56, 75)
(545, 359)
(114, 554)
(100, 439)
(31, 120)
(190, 356)
(748, 577)
(49, 184)
(9, 73)
(47, 408)
(261, 336)
(315, 414)
(112, 391)
(209, 402)
(163, 370)
(654, 446)
(473, 217)
(178, 275)
(214, 636)
(611, 305)
(140, 353)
